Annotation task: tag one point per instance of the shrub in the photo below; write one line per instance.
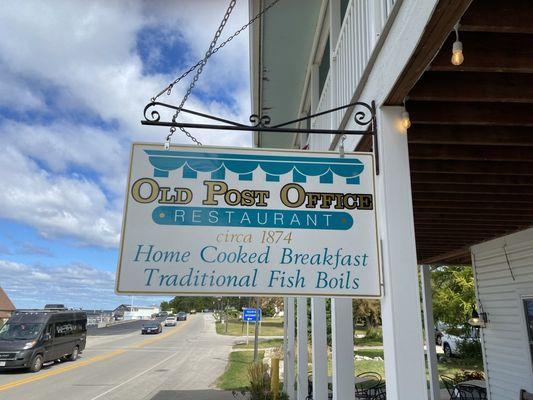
(259, 380)
(373, 332)
(464, 375)
(469, 349)
(259, 384)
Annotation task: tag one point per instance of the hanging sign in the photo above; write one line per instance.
(248, 222)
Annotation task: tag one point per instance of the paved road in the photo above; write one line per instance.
(118, 329)
(182, 363)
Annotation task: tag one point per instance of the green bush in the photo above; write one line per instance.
(469, 349)
(373, 332)
(464, 375)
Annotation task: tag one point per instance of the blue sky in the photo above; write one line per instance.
(74, 79)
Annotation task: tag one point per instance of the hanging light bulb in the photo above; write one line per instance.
(406, 122)
(457, 49)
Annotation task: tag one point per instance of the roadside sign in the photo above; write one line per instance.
(249, 222)
(251, 315)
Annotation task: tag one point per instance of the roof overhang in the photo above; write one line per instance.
(278, 72)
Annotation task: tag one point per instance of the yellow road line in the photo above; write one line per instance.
(82, 363)
(60, 370)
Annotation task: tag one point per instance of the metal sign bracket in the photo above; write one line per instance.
(364, 116)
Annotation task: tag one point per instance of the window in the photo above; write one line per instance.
(344, 8)
(66, 328)
(528, 308)
(323, 68)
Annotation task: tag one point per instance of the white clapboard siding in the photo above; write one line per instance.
(508, 363)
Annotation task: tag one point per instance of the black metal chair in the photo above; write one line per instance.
(451, 387)
(380, 396)
(471, 392)
(371, 384)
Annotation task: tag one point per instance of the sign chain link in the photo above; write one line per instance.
(168, 89)
(200, 65)
(199, 70)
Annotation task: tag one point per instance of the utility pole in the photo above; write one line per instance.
(256, 339)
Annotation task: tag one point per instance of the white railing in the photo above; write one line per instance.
(323, 121)
(362, 26)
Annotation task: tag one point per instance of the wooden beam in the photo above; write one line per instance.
(473, 86)
(495, 220)
(471, 212)
(470, 113)
(470, 153)
(474, 134)
(468, 179)
(514, 16)
(499, 200)
(488, 52)
(472, 167)
(510, 190)
(443, 19)
(481, 207)
(451, 255)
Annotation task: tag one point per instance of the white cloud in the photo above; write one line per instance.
(11, 266)
(69, 59)
(75, 285)
(55, 204)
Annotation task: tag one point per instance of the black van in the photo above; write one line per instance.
(32, 337)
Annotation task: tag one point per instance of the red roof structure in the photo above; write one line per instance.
(6, 305)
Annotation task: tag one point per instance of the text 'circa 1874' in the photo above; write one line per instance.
(232, 221)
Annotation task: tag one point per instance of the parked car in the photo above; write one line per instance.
(32, 337)
(171, 320)
(438, 336)
(450, 342)
(151, 327)
(181, 316)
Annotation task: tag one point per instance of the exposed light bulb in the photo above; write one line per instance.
(457, 53)
(405, 120)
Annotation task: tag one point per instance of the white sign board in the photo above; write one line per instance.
(247, 222)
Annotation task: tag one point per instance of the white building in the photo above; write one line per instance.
(460, 175)
(137, 312)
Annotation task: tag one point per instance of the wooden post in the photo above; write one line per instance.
(274, 377)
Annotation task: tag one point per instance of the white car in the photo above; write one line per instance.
(450, 342)
(171, 321)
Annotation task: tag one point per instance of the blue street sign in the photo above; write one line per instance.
(251, 314)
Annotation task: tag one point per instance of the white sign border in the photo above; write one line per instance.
(241, 294)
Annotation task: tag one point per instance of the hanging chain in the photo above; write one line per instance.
(199, 70)
(200, 65)
(168, 89)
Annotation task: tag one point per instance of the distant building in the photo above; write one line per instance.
(6, 307)
(127, 312)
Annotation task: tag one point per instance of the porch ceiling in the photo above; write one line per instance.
(287, 34)
(471, 138)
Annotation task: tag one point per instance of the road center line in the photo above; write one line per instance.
(136, 376)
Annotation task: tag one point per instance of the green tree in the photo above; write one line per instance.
(453, 294)
(367, 310)
(165, 306)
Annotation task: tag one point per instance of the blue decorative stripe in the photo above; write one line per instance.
(257, 218)
(244, 165)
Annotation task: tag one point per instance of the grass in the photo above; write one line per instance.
(446, 366)
(269, 327)
(262, 344)
(235, 377)
(362, 340)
